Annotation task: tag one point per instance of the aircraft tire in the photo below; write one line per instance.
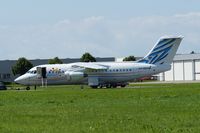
(28, 88)
(114, 86)
(94, 87)
(123, 86)
(108, 86)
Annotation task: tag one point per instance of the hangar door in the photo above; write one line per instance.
(197, 69)
(178, 71)
(188, 70)
(169, 74)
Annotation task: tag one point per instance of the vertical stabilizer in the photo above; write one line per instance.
(164, 51)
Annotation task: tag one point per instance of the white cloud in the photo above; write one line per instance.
(62, 23)
(93, 19)
(188, 15)
(98, 35)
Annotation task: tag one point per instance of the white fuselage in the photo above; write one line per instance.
(108, 74)
(116, 72)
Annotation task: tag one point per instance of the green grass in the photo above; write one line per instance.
(149, 108)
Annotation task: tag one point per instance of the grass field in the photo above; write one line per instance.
(149, 108)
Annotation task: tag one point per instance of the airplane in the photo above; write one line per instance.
(105, 74)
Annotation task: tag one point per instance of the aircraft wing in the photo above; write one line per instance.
(91, 66)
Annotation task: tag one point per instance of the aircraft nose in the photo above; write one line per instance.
(21, 79)
(17, 80)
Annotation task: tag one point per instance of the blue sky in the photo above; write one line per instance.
(49, 11)
(63, 28)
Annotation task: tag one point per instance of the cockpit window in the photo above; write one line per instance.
(32, 71)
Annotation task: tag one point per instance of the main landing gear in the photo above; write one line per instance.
(28, 88)
(122, 85)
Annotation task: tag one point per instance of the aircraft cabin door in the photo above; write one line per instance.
(42, 74)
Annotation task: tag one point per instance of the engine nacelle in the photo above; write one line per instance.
(74, 76)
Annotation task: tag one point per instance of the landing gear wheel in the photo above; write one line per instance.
(123, 86)
(94, 87)
(114, 86)
(108, 86)
(28, 88)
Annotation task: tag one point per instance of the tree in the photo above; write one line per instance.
(55, 60)
(192, 52)
(22, 66)
(129, 58)
(87, 57)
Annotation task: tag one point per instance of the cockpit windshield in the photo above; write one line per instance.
(32, 71)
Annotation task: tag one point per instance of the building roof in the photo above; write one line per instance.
(181, 57)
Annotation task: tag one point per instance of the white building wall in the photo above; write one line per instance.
(169, 75)
(161, 76)
(178, 71)
(197, 69)
(188, 70)
(119, 59)
(183, 71)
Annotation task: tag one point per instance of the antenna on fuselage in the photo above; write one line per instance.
(42, 74)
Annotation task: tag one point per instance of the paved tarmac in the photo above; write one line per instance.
(166, 82)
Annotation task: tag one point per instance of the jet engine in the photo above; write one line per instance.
(74, 76)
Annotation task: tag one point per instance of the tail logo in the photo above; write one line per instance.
(159, 52)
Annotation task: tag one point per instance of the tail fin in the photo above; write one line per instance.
(164, 51)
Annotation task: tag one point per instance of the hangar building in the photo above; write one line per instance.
(185, 67)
